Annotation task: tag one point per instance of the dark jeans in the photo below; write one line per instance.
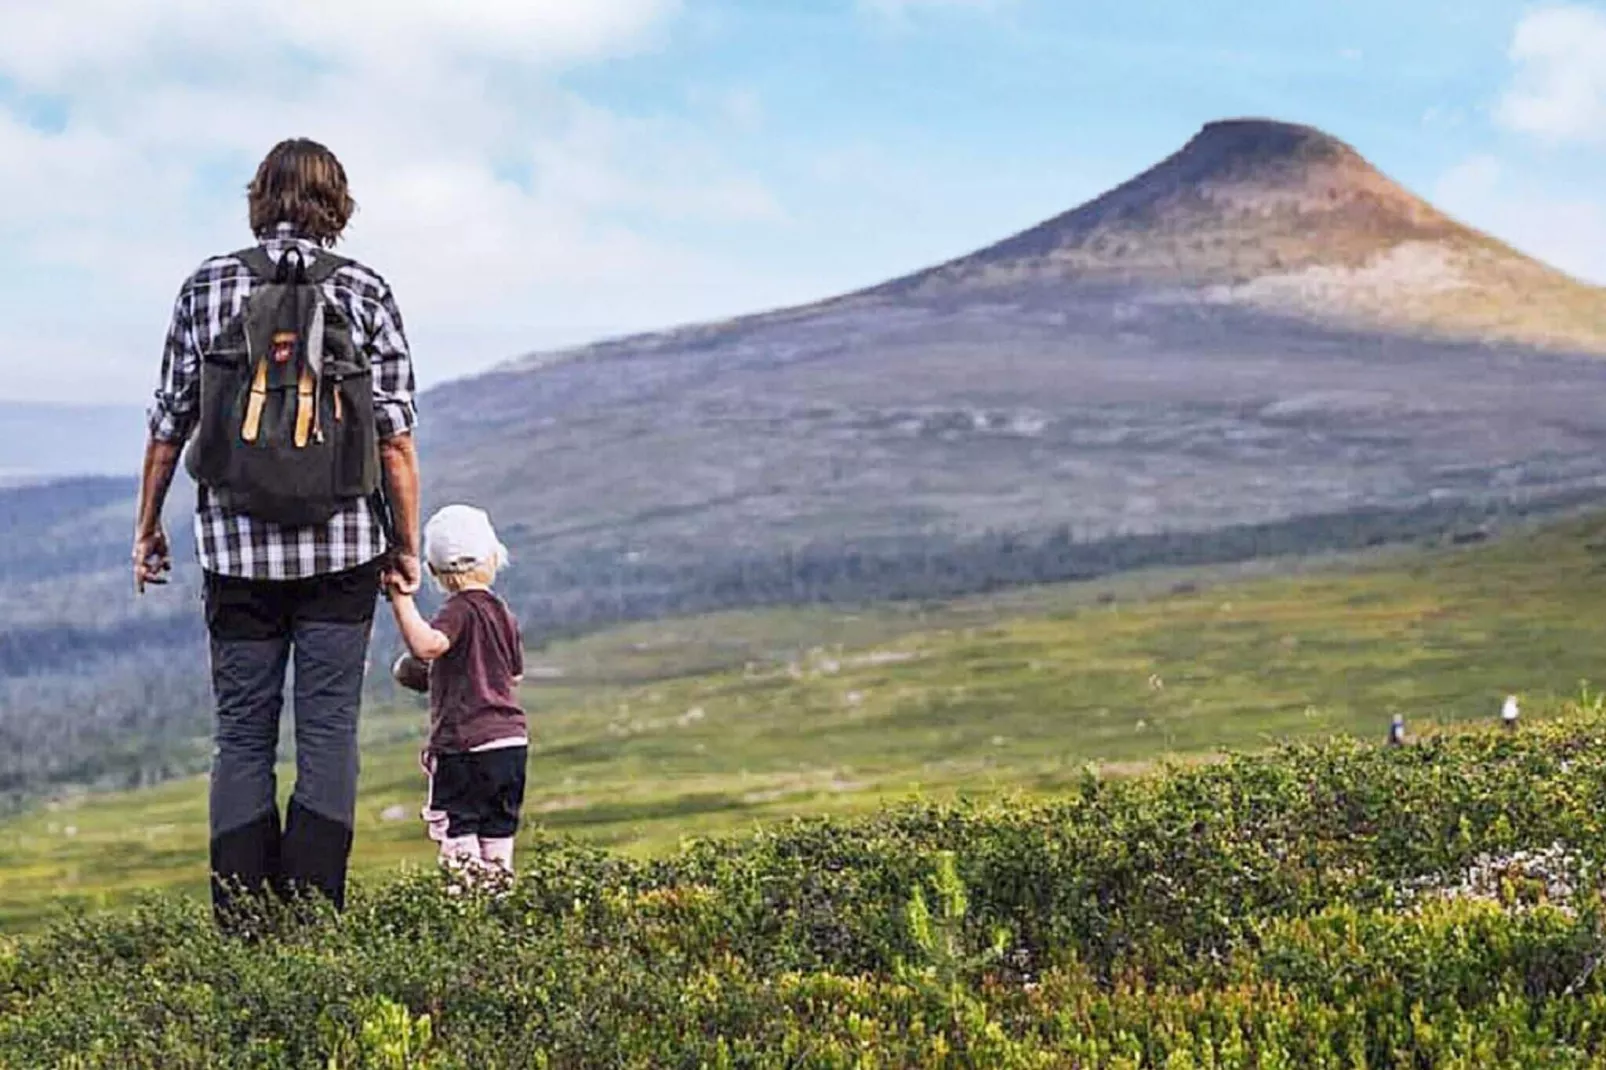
(258, 628)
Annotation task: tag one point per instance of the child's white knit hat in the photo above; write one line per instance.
(459, 538)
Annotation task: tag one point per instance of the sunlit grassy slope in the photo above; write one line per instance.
(689, 728)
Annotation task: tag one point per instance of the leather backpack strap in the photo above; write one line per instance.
(256, 399)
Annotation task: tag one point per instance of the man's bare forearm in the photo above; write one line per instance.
(399, 458)
(156, 478)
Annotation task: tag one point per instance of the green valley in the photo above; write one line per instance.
(655, 733)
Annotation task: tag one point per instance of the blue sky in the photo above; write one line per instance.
(542, 173)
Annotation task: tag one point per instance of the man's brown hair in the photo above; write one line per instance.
(300, 182)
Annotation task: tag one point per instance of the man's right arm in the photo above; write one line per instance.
(395, 413)
(398, 457)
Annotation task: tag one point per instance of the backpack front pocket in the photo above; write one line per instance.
(225, 386)
(351, 428)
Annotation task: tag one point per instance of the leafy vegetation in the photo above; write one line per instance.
(1320, 904)
(134, 674)
(609, 585)
(1331, 905)
(712, 725)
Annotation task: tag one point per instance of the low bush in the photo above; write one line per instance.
(1333, 905)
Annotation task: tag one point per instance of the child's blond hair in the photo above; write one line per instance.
(479, 576)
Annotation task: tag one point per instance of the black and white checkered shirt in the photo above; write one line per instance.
(227, 541)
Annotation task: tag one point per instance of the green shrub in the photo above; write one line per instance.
(1321, 906)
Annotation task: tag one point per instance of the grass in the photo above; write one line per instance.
(657, 733)
(1321, 905)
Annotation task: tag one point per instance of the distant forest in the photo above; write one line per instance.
(582, 595)
(122, 706)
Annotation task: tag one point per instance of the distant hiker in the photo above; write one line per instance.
(287, 371)
(1509, 713)
(478, 737)
(1397, 731)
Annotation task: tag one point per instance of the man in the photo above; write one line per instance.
(275, 590)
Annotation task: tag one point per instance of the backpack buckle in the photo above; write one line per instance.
(284, 346)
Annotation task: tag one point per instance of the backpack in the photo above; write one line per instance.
(287, 399)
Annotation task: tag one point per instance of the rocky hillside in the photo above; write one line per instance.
(1260, 327)
(1293, 221)
(1275, 217)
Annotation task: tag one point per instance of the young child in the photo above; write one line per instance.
(478, 738)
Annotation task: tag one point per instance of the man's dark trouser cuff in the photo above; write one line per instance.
(245, 861)
(316, 850)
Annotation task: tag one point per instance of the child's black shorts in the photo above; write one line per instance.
(479, 793)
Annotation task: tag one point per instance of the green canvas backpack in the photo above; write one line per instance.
(287, 400)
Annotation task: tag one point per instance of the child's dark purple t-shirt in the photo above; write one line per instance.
(472, 695)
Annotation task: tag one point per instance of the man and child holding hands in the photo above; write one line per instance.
(287, 374)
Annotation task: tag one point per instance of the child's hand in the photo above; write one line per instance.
(426, 762)
(411, 673)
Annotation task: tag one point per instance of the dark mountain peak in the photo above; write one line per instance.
(1242, 199)
(1264, 155)
(1252, 141)
(1275, 216)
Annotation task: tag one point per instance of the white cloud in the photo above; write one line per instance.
(1564, 229)
(1474, 179)
(1440, 117)
(51, 44)
(897, 9)
(743, 109)
(508, 212)
(1559, 92)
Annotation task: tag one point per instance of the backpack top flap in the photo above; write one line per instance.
(287, 318)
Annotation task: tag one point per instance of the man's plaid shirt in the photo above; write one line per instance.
(229, 542)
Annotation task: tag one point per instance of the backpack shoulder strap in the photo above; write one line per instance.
(258, 263)
(324, 266)
(266, 269)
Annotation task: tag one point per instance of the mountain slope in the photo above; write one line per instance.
(1270, 216)
(1289, 219)
(1262, 326)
